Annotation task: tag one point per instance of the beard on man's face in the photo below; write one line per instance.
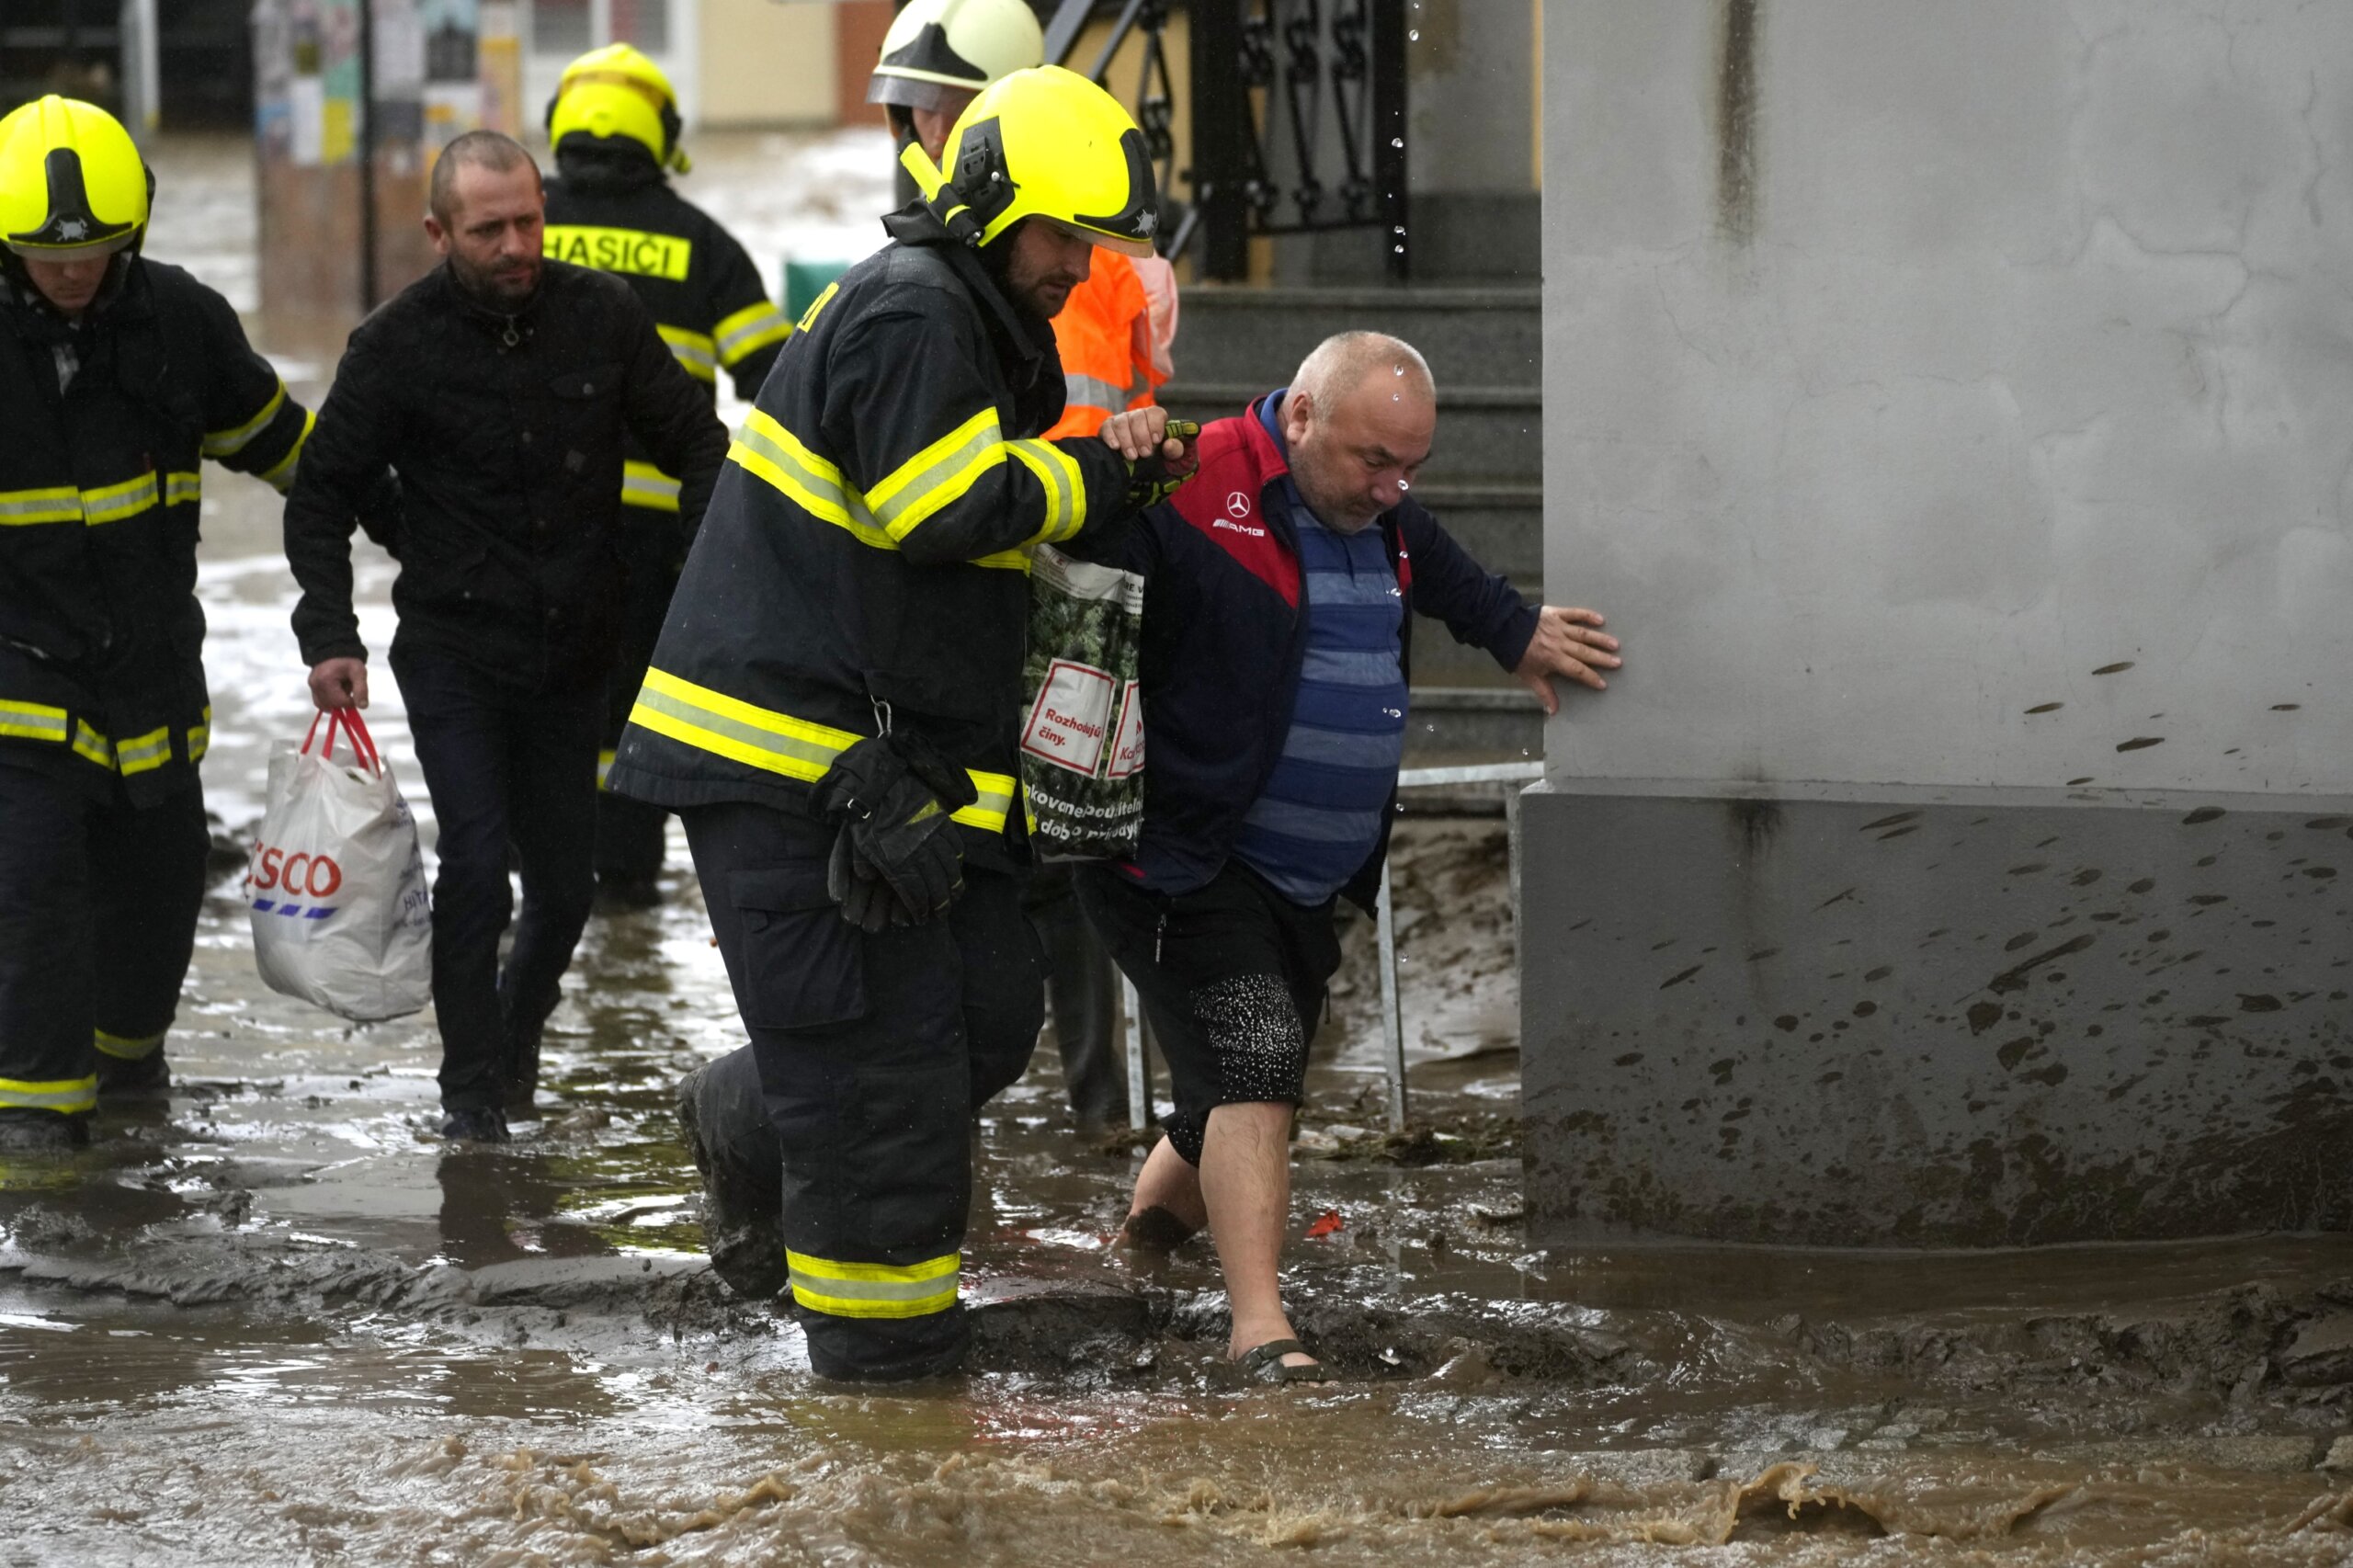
(499, 284)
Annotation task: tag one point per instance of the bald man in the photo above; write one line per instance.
(1280, 589)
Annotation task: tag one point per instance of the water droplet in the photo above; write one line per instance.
(1397, 142)
(1396, 370)
(1412, 35)
(1405, 485)
(1401, 250)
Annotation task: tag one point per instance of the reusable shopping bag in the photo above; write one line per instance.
(1082, 733)
(335, 883)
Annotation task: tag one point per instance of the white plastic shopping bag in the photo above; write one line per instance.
(335, 883)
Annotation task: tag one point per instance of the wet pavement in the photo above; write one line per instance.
(271, 1319)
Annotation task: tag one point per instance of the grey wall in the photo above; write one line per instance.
(1948, 402)
(2026, 358)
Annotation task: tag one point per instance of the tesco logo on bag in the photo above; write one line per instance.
(288, 879)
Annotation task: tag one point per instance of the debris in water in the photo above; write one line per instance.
(1326, 1224)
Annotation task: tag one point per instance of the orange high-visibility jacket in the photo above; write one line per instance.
(1114, 357)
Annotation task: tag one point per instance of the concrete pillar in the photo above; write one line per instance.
(1951, 406)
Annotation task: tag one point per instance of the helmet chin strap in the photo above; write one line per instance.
(939, 196)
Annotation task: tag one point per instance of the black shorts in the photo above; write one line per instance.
(1231, 977)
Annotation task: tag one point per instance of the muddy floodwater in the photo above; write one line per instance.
(270, 1320)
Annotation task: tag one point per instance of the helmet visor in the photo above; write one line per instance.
(910, 92)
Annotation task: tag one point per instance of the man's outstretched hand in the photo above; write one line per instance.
(339, 683)
(1571, 645)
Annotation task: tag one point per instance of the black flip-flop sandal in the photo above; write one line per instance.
(1265, 1364)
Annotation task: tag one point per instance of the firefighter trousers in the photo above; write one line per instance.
(874, 1053)
(630, 833)
(98, 902)
(1084, 990)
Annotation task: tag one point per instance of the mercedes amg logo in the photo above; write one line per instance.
(1237, 504)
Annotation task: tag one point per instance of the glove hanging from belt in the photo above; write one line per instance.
(897, 860)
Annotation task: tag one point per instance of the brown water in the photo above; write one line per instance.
(272, 1320)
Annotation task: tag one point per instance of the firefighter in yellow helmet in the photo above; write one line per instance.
(1113, 338)
(833, 708)
(118, 375)
(614, 124)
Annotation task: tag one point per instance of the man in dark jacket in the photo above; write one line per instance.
(834, 702)
(1279, 593)
(614, 123)
(501, 387)
(117, 376)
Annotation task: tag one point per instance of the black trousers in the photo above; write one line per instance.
(1232, 977)
(630, 833)
(503, 768)
(98, 902)
(1083, 988)
(874, 1052)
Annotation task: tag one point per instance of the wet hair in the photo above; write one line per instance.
(484, 149)
(1335, 367)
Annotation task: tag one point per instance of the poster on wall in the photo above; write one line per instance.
(501, 66)
(452, 73)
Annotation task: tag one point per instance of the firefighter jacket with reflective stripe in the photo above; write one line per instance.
(507, 431)
(1224, 640)
(104, 426)
(866, 555)
(618, 214)
(1105, 337)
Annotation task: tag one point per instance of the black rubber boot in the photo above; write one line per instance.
(119, 1078)
(478, 1125)
(725, 1124)
(44, 1133)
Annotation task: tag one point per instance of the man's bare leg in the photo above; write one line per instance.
(1246, 1186)
(1168, 1207)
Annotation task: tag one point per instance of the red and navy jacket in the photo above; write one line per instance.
(1224, 638)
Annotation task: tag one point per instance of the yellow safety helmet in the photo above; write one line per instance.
(71, 182)
(1047, 143)
(938, 47)
(618, 91)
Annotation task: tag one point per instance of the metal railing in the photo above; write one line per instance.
(1297, 118)
(1392, 1011)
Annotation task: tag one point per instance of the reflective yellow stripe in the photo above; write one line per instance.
(1065, 487)
(692, 350)
(874, 1289)
(771, 453)
(62, 504)
(279, 475)
(88, 742)
(604, 766)
(997, 800)
(66, 1094)
(642, 485)
(32, 721)
(143, 753)
(112, 503)
(199, 737)
(126, 1049)
(938, 475)
(222, 443)
(777, 743)
(750, 329)
(106, 504)
(819, 303)
(619, 250)
(767, 449)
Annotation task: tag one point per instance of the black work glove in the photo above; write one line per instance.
(1149, 481)
(894, 796)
